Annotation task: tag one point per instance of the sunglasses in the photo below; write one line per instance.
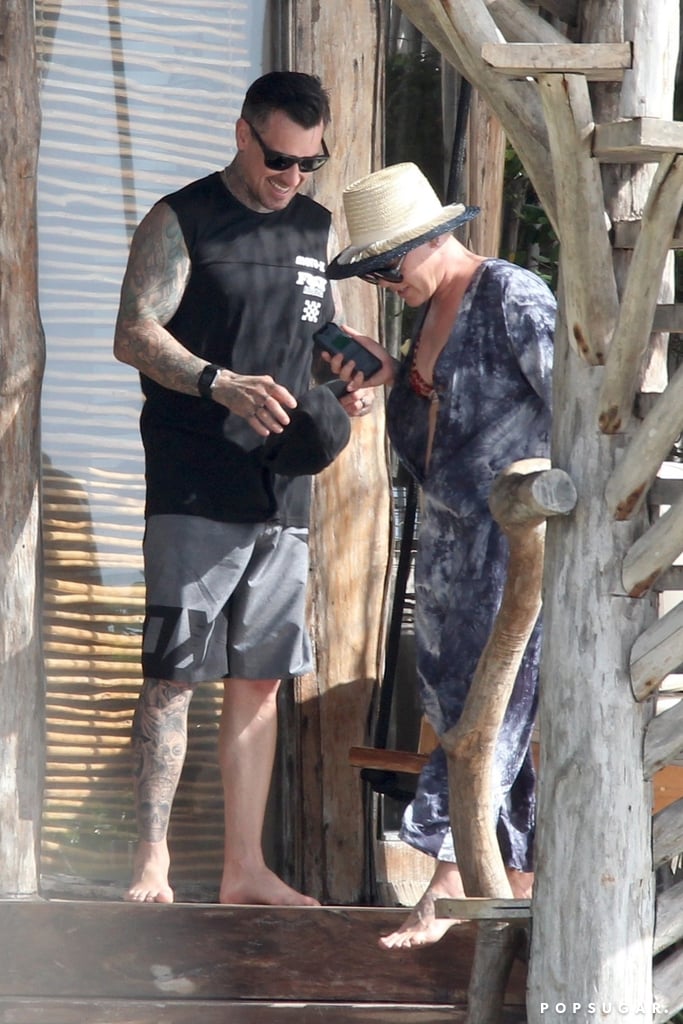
(390, 274)
(276, 161)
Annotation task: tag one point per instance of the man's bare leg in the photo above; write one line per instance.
(422, 927)
(159, 747)
(246, 743)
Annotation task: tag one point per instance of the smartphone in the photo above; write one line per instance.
(333, 340)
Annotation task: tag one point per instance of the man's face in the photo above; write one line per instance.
(273, 190)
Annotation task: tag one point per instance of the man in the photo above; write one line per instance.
(224, 288)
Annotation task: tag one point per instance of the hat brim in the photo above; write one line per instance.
(350, 263)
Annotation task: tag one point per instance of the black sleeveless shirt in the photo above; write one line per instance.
(257, 292)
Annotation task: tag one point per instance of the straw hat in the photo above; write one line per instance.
(388, 213)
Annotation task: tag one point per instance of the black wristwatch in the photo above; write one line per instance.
(207, 378)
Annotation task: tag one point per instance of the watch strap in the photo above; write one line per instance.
(206, 379)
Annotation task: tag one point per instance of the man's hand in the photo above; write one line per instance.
(359, 402)
(261, 401)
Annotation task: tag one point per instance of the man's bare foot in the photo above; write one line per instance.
(150, 875)
(260, 887)
(422, 927)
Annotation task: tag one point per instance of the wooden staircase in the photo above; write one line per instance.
(106, 962)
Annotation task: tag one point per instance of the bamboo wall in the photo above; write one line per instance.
(135, 103)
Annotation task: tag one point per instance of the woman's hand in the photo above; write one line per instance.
(346, 370)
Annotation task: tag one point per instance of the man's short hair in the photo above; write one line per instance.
(301, 97)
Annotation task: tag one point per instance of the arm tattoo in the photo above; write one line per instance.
(156, 276)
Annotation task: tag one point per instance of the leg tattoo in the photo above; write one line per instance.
(159, 747)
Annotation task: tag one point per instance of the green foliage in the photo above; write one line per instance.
(528, 238)
(413, 122)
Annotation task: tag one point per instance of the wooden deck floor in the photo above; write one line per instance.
(89, 962)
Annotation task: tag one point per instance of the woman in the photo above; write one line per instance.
(472, 395)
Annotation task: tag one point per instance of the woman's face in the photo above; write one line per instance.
(419, 282)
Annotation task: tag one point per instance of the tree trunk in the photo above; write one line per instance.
(351, 518)
(21, 368)
(594, 892)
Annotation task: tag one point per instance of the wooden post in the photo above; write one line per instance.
(21, 368)
(351, 525)
(521, 498)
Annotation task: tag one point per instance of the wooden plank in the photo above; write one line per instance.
(599, 62)
(672, 579)
(669, 918)
(666, 490)
(637, 140)
(653, 552)
(387, 760)
(203, 951)
(481, 908)
(669, 318)
(667, 787)
(639, 298)
(667, 833)
(566, 10)
(657, 652)
(663, 739)
(625, 234)
(667, 987)
(100, 1011)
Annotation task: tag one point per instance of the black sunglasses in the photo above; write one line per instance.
(391, 273)
(276, 161)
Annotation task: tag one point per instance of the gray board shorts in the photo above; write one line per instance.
(224, 600)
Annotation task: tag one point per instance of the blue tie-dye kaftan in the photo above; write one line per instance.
(493, 379)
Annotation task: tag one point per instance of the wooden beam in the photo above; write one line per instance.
(637, 140)
(130, 1011)
(636, 471)
(625, 234)
(669, 918)
(100, 950)
(480, 908)
(663, 738)
(657, 652)
(639, 298)
(590, 291)
(519, 23)
(669, 318)
(459, 30)
(653, 552)
(672, 579)
(598, 62)
(565, 10)
(667, 987)
(521, 498)
(665, 490)
(387, 760)
(667, 833)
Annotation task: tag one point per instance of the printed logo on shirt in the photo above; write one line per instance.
(311, 312)
(312, 284)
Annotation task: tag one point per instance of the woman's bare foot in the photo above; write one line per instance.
(150, 875)
(260, 887)
(521, 883)
(422, 927)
